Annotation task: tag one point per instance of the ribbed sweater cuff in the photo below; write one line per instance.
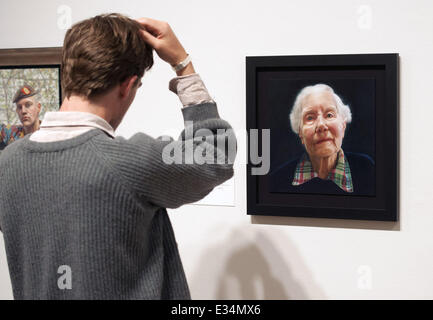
(200, 112)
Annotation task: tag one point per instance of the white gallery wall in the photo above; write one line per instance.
(227, 254)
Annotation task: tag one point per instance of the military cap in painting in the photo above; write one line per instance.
(24, 92)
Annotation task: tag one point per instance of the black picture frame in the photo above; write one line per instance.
(262, 71)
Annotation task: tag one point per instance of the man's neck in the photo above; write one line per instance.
(100, 107)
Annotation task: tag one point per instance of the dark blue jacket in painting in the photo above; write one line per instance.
(362, 169)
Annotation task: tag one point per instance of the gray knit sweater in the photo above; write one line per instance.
(85, 218)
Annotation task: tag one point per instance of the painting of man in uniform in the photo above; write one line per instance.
(26, 94)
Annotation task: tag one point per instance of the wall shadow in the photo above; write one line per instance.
(255, 269)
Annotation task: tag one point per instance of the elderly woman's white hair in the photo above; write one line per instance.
(296, 113)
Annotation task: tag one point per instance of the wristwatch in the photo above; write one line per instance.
(182, 64)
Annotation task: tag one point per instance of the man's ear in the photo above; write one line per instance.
(39, 107)
(127, 85)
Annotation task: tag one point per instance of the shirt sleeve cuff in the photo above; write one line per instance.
(190, 90)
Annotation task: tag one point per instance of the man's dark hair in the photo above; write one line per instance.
(101, 52)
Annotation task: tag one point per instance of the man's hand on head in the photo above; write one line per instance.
(161, 37)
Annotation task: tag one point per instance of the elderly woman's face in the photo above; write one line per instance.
(322, 127)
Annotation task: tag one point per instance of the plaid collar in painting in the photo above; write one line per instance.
(340, 175)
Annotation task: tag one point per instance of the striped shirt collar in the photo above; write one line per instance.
(340, 175)
(76, 119)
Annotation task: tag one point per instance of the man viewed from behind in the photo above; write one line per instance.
(93, 224)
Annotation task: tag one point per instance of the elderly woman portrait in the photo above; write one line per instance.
(320, 119)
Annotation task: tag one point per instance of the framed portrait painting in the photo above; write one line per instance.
(27, 73)
(329, 134)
